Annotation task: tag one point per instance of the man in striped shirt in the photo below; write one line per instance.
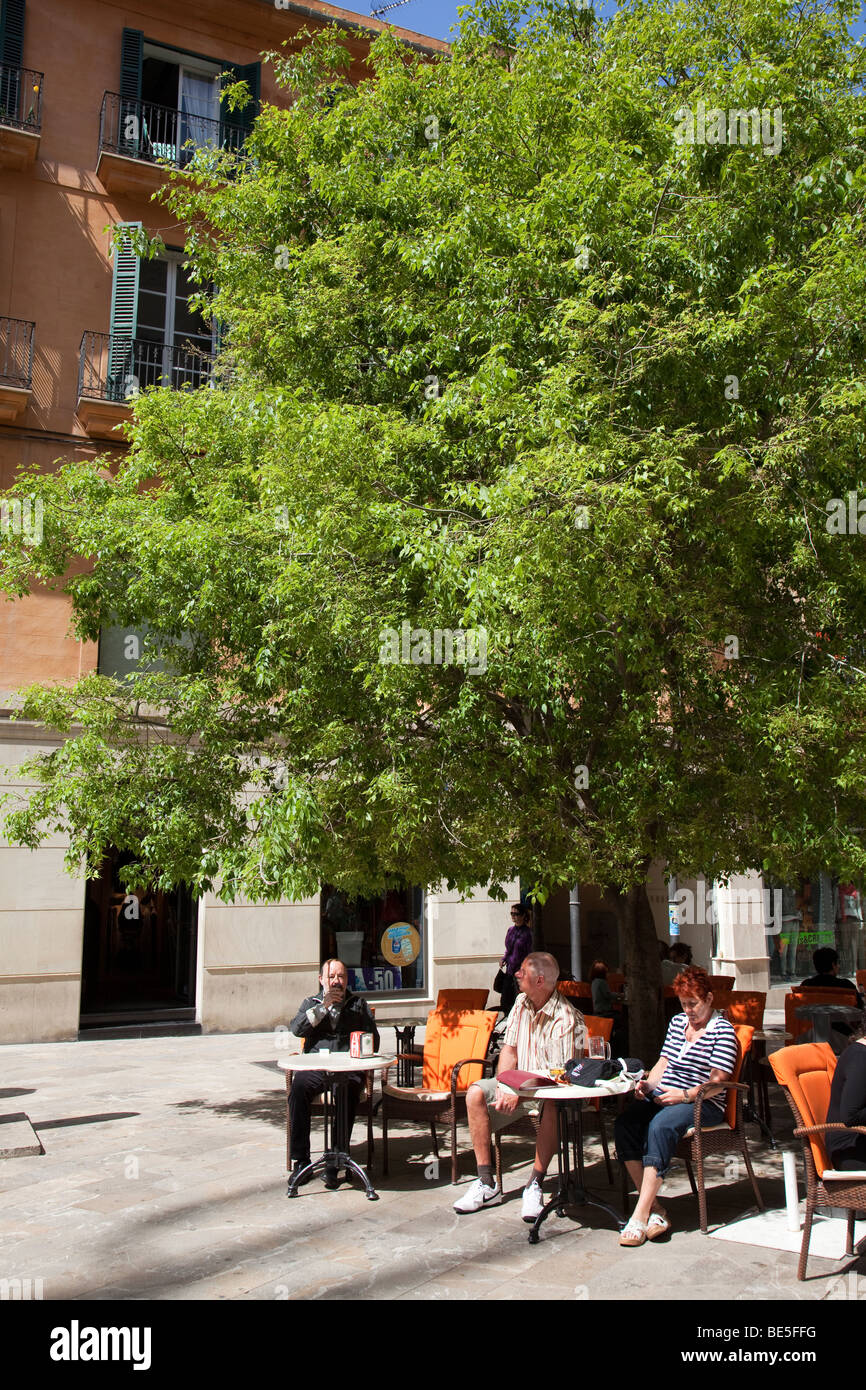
(544, 1031)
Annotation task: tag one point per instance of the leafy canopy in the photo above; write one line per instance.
(500, 352)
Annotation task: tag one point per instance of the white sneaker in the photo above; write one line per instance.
(533, 1201)
(478, 1196)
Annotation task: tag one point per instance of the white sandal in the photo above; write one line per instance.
(634, 1233)
(657, 1226)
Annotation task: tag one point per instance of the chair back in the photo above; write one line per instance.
(744, 1042)
(806, 1073)
(746, 1006)
(453, 1035)
(575, 989)
(796, 998)
(860, 978)
(598, 1027)
(461, 998)
(718, 982)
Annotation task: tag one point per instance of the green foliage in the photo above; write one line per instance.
(483, 320)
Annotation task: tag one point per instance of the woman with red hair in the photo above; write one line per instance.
(700, 1047)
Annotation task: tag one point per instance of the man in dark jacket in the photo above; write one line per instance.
(325, 1021)
(826, 963)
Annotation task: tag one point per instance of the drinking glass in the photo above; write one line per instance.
(599, 1048)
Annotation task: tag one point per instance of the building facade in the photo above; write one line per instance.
(92, 96)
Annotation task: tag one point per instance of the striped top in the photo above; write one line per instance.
(690, 1064)
(548, 1036)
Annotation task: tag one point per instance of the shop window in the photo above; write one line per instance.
(817, 911)
(381, 941)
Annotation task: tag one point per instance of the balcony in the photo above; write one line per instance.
(138, 141)
(113, 370)
(20, 116)
(16, 368)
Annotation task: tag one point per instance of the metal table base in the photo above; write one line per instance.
(571, 1188)
(332, 1160)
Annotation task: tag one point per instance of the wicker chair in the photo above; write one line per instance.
(455, 1055)
(805, 1073)
(702, 1140)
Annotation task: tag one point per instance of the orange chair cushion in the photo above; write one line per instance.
(598, 1027)
(461, 999)
(796, 998)
(807, 1071)
(453, 1035)
(746, 1006)
(744, 1042)
(575, 989)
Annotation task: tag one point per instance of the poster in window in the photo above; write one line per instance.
(400, 943)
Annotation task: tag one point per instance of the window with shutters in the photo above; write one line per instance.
(157, 337)
(169, 103)
(20, 88)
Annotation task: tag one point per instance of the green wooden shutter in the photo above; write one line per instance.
(131, 59)
(130, 114)
(124, 317)
(251, 73)
(11, 56)
(12, 32)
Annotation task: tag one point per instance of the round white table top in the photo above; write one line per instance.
(331, 1061)
(604, 1088)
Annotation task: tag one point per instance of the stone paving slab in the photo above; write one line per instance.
(163, 1177)
(18, 1138)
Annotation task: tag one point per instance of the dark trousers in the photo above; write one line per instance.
(508, 994)
(306, 1085)
(648, 1133)
(852, 1156)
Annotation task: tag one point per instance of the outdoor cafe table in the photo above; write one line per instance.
(571, 1188)
(404, 1029)
(337, 1066)
(822, 1017)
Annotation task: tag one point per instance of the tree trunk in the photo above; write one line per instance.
(643, 974)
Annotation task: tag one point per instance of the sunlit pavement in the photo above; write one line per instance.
(164, 1178)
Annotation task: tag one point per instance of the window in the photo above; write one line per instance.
(169, 102)
(381, 941)
(817, 911)
(156, 337)
(180, 103)
(174, 343)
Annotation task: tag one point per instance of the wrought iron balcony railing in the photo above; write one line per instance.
(141, 130)
(113, 368)
(16, 353)
(20, 98)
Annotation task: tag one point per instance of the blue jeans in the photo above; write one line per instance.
(648, 1133)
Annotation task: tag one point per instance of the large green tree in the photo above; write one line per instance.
(543, 339)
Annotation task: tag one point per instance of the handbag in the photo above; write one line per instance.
(499, 982)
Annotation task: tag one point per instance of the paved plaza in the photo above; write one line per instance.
(163, 1177)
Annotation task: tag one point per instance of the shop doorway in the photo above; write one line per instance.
(139, 962)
